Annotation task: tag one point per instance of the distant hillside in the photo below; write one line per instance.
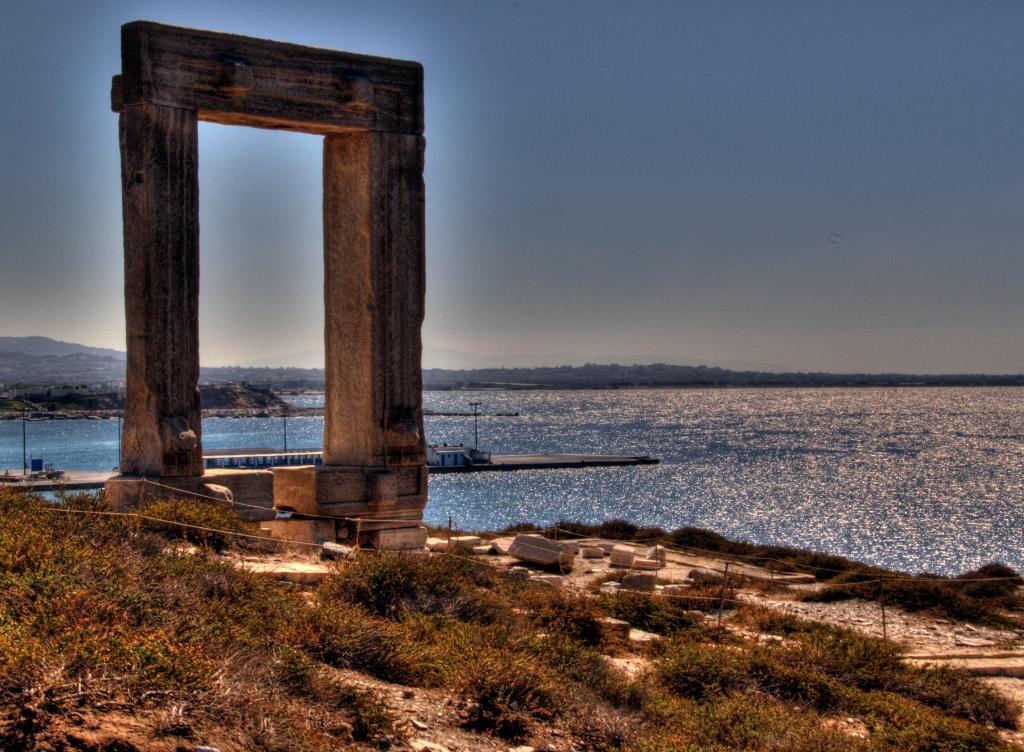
(53, 362)
(47, 346)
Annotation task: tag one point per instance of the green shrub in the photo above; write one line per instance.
(508, 692)
(197, 514)
(665, 616)
(394, 584)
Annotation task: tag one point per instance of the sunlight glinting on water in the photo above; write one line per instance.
(916, 479)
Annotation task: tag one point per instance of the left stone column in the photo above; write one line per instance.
(160, 183)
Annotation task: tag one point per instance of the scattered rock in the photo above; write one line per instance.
(541, 550)
(437, 545)
(418, 724)
(465, 542)
(482, 550)
(500, 546)
(640, 636)
(621, 556)
(643, 581)
(523, 748)
(674, 589)
(332, 550)
(425, 745)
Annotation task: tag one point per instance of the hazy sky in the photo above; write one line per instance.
(828, 186)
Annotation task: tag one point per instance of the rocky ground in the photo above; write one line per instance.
(435, 717)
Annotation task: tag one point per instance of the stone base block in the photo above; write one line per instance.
(128, 492)
(397, 539)
(398, 492)
(304, 531)
(249, 488)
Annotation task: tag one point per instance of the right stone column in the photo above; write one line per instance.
(374, 290)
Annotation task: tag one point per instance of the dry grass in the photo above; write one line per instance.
(101, 618)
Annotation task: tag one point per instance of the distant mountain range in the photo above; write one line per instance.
(40, 360)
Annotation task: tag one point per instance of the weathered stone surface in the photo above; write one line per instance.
(540, 550)
(591, 552)
(646, 564)
(217, 491)
(658, 553)
(643, 581)
(237, 80)
(465, 542)
(332, 550)
(160, 190)
(437, 545)
(481, 550)
(621, 556)
(371, 112)
(642, 637)
(425, 745)
(398, 539)
(302, 531)
(252, 491)
(501, 546)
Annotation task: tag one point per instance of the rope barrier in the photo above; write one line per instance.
(668, 545)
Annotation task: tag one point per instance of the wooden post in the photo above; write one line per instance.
(721, 602)
(881, 602)
(160, 183)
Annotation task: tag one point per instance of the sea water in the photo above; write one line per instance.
(928, 479)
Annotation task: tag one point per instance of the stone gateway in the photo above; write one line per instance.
(370, 112)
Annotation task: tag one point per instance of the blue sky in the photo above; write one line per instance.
(828, 186)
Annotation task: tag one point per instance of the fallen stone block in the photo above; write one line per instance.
(519, 573)
(674, 589)
(642, 637)
(591, 552)
(642, 581)
(437, 545)
(481, 550)
(500, 546)
(332, 550)
(658, 553)
(465, 541)
(621, 556)
(647, 564)
(540, 550)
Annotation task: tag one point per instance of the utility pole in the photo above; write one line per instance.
(119, 442)
(284, 423)
(476, 424)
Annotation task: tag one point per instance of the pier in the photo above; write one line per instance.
(505, 462)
